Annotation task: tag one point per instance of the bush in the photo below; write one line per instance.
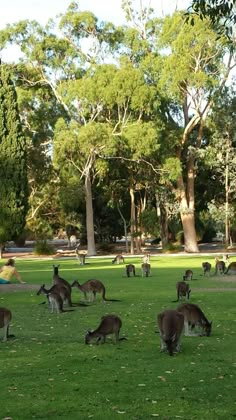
(43, 248)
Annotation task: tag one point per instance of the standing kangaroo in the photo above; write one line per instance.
(110, 324)
(188, 275)
(93, 287)
(146, 270)
(193, 316)
(57, 280)
(130, 268)
(219, 267)
(5, 319)
(119, 258)
(54, 298)
(170, 324)
(58, 289)
(206, 266)
(183, 289)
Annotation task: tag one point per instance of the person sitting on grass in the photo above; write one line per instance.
(7, 271)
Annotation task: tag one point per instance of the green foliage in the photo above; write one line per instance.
(220, 12)
(13, 168)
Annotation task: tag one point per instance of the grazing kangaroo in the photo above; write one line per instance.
(183, 289)
(93, 287)
(206, 266)
(5, 319)
(231, 268)
(146, 270)
(110, 324)
(188, 275)
(130, 268)
(57, 280)
(54, 297)
(119, 258)
(193, 316)
(219, 267)
(170, 324)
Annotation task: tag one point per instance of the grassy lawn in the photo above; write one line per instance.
(47, 372)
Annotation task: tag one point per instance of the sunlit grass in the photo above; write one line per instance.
(47, 372)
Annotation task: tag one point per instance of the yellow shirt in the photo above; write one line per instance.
(7, 272)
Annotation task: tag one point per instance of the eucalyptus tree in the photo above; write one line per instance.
(13, 168)
(221, 13)
(49, 60)
(220, 156)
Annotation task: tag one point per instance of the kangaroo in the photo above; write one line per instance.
(188, 275)
(146, 270)
(206, 266)
(219, 267)
(93, 287)
(60, 281)
(5, 319)
(54, 296)
(58, 289)
(110, 324)
(183, 289)
(171, 324)
(130, 268)
(193, 316)
(146, 258)
(119, 258)
(231, 268)
(80, 257)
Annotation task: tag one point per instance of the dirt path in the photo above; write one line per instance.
(5, 288)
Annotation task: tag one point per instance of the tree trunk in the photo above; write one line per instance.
(190, 239)
(132, 220)
(187, 203)
(89, 216)
(125, 230)
(1, 251)
(162, 214)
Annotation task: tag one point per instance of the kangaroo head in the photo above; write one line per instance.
(40, 290)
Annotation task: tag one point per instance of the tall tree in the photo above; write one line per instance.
(13, 168)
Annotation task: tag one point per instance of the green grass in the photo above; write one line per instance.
(47, 372)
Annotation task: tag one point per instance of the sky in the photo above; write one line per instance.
(41, 10)
(12, 11)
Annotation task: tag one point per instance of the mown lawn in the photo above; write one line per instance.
(47, 372)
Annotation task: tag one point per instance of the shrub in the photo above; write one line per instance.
(43, 248)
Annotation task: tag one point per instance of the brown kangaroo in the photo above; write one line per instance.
(61, 282)
(193, 316)
(188, 275)
(80, 257)
(54, 296)
(58, 289)
(5, 319)
(130, 268)
(170, 324)
(119, 258)
(206, 266)
(183, 289)
(219, 267)
(146, 270)
(110, 324)
(231, 268)
(93, 287)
